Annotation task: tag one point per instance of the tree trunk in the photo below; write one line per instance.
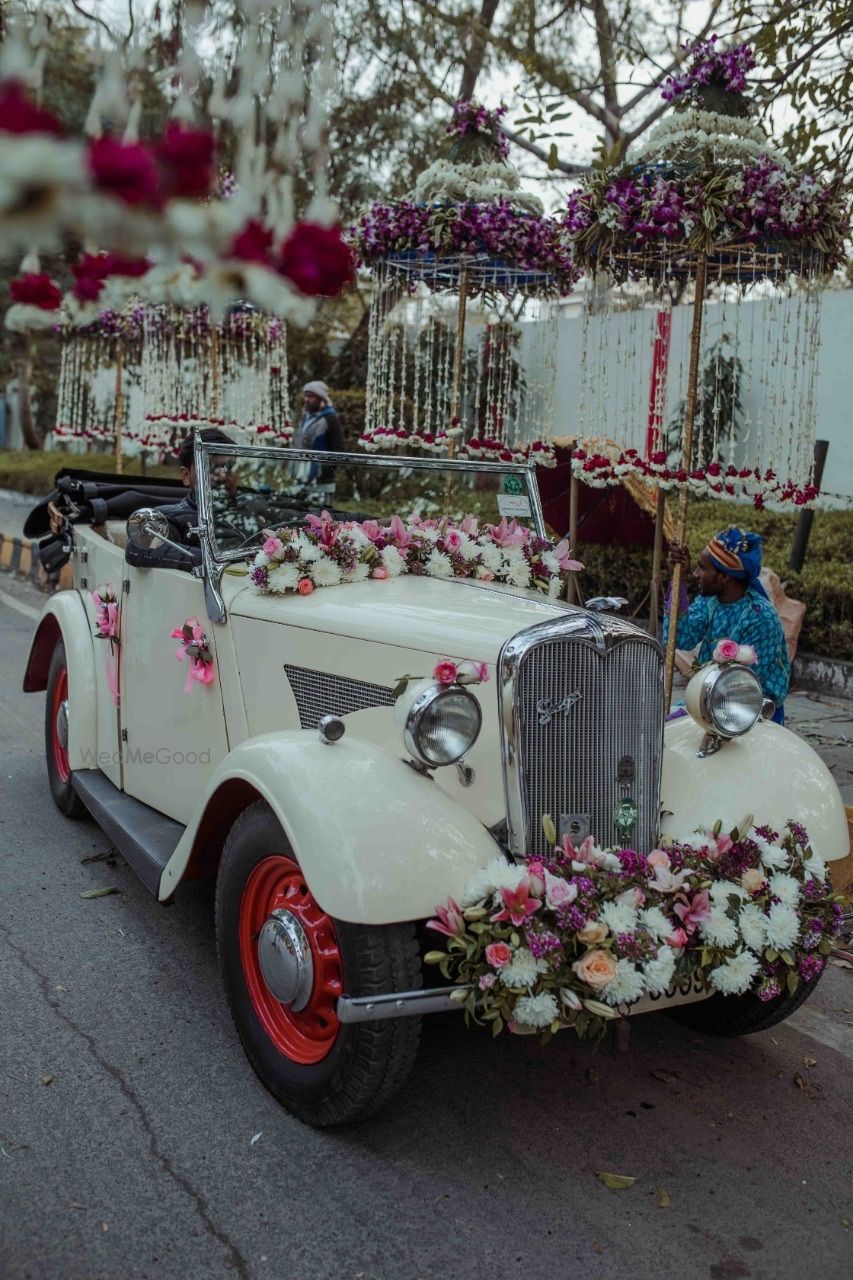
(33, 438)
(473, 63)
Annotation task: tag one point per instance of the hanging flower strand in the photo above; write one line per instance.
(194, 646)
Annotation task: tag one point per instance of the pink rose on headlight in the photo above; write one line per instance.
(469, 672)
(498, 955)
(445, 672)
(726, 651)
(747, 655)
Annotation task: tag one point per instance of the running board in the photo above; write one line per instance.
(401, 1004)
(142, 835)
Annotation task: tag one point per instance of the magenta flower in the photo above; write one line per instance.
(518, 904)
(693, 911)
(445, 672)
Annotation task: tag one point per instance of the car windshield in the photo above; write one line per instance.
(246, 491)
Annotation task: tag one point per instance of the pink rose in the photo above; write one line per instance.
(468, 672)
(485, 576)
(596, 968)
(380, 573)
(747, 655)
(678, 938)
(726, 651)
(632, 897)
(558, 892)
(272, 546)
(593, 932)
(305, 586)
(537, 873)
(659, 858)
(752, 880)
(445, 672)
(498, 955)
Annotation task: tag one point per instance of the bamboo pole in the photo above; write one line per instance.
(456, 388)
(215, 373)
(686, 462)
(119, 404)
(657, 562)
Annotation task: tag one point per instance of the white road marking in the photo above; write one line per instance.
(817, 1026)
(26, 609)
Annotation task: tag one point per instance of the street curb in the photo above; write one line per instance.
(20, 556)
(823, 675)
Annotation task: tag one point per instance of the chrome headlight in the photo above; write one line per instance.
(726, 700)
(442, 724)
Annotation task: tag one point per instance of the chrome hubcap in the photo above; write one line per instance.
(285, 959)
(62, 724)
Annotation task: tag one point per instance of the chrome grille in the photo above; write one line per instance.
(319, 694)
(582, 697)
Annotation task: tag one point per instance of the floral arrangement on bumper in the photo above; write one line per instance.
(569, 940)
(328, 552)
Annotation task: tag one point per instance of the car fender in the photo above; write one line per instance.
(769, 773)
(377, 841)
(64, 617)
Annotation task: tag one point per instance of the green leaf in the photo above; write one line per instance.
(400, 687)
(549, 828)
(615, 1181)
(100, 893)
(663, 1198)
(497, 1026)
(788, 958)
(552, 156)
(825, 947)
(770, 955)
(793, 981)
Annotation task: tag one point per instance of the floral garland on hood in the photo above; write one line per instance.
(328, 552)
(569, 940)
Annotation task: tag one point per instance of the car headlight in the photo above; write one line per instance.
(726, 700)
(442, 724)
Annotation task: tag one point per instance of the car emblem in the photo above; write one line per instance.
(547, 708)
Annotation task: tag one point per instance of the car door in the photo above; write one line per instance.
(173, 732)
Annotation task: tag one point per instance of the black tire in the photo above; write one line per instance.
(65, 797)
(367, 1062)
(741, 1015)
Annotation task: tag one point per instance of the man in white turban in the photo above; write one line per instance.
(319, 428)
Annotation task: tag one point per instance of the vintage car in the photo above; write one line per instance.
(336, 808)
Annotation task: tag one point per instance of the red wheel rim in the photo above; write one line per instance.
(60, 753)
(307, 1036)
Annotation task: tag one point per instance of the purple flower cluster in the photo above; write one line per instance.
(761, 203)
(707, 64)
(770, 989)
(543, 943)
(810, 966)
(470, 119)
(499, 231)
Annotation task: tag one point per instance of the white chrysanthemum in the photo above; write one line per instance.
(656, 922)
(360, 572)
(719, 929)
(498, 874)
(261, 560)
(782, 927)
(438, 565)
(658, 972)
(736, 975)
(326, 572)
(627, 986)
(554, 587)
(284, 577)
(536, 1011)
(468, 548)
(722, 890)
(517, 574)
(609, 861)
(393, 561)
(620, 917)
(772, 857)
(522, 970)
(308, 550)
(752, 925)
(491, 557)
(786, 888)
(358, 537)
(550, 562)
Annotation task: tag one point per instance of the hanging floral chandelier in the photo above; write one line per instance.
(148, 210)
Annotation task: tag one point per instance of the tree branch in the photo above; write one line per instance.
(92, 17)
(541, 154)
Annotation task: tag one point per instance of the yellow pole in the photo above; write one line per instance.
(686, 462)
(119, 405)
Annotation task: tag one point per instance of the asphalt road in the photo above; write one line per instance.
(135, 1140)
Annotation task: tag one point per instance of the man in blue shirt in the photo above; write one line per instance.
(733, 605)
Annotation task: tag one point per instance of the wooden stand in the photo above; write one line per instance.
(686, 462)
(657, 561)
(119, 405)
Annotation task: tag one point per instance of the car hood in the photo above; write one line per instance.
(459, 617)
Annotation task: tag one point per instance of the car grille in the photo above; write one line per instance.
(582, 730)
(319, 694)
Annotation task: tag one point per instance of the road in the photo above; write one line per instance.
(135, 1141)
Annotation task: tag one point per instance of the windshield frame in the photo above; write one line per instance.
(207, 449)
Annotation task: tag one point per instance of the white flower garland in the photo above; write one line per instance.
(480, 183)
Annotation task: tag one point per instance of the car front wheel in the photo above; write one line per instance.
(284, 964)
(741, 1015)
(65, 797)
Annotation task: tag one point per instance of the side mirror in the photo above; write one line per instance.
(606, 604)
(147, 526)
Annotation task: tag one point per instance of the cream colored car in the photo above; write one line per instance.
(335, 815)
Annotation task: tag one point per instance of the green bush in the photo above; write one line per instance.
(825, 584)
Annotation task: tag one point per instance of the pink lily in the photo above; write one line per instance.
(562, 552)
(399, 533)
(508, 533)
(518, 904)
(693, 911)
(585, 852)
(665, 880)
(372, 530)
(469, 525)
(450, 921)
